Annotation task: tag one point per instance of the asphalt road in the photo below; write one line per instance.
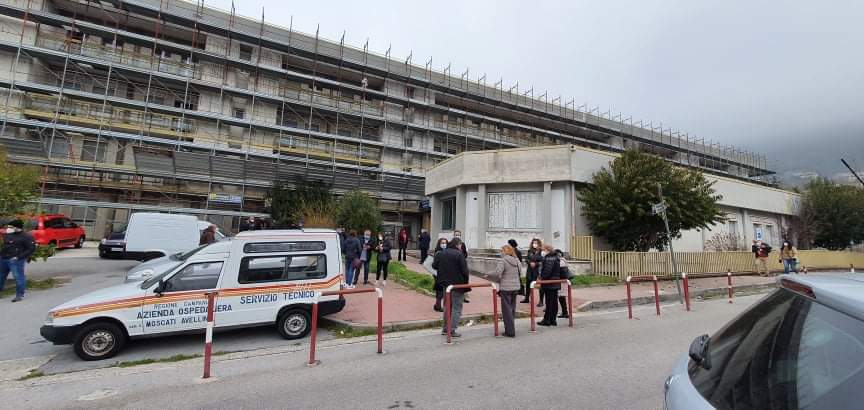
(606, 362)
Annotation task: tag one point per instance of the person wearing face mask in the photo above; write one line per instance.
(551, 271)
(513, 244)
(452, 269)
(439, 290)
(534, 261)
(366, 246)
(458, 234)
(506, 275)
(382, 247)
(789, 257)
(17, 248)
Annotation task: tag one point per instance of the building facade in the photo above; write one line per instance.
(166, 105)
(530, 193)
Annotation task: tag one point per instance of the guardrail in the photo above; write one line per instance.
(448, 306)
(652, 278)
(545, 282)
(314, 334)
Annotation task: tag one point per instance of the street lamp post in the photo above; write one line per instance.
(660, 209)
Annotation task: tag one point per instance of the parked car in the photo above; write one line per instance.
(57, 230)
(113, 245)
(802, 346)
(264, 278)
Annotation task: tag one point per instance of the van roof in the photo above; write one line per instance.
(283, 232)
(842, 291)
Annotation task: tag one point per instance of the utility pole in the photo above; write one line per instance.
(852, 170)
(660, 209)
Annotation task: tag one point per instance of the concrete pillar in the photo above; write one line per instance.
(547, 211)
(461, 197)
(569, 226)
(435, 216)
(747, 228)
(482, 219)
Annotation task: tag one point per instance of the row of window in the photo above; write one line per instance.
(254, 269)
(505, 210)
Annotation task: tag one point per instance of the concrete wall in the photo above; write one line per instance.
(484, 265)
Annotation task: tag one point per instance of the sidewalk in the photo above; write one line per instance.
(405, 308)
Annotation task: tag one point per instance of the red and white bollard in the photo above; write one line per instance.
(380, 320)
(629, 298)
(208, 334)
(729, 277)
(570, 302)
(495, 308)
(313, 338)
(656, 293)
(686, 291)
(448, 305)
(531, 302)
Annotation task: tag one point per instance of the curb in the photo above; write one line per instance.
(672, 297)
(414, 324)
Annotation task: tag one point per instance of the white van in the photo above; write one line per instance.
(153, 235)
(262, 278)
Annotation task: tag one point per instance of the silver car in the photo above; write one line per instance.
(802, 346)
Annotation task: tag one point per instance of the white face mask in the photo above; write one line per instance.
(380, 238)
(10, 230)
(544, 253)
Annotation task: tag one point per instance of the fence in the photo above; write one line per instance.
(623, 264)
(582, 247)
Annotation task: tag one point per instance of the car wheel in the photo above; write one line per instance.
(294, 324)
(80, 243)
(100, 340)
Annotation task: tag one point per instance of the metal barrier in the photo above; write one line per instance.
(314, 335)
(686, 290)
(208, 334)
(652, 278)
(546, 282)
(448, 306)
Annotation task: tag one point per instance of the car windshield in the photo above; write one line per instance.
(787, 351)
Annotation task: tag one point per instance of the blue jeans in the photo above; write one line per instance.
(17, 269)
(349, 271)
(790, 265)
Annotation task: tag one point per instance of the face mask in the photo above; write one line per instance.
(544, 253)
(457, 236)
(10, 230)
(380, 238)
(366, 236)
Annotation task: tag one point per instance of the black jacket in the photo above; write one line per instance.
(452, 269)
(551, 271)
(352, 248)
(518, 254)
(17, 245)
(536, 257)
(424, 240)
(384, 252)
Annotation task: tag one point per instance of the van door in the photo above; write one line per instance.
(183, 304)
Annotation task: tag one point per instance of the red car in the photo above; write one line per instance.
(57, 230)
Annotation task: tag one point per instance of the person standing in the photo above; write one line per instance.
(535, 259)
(551, 271)
(439, 291)
(507, 277)
(382, 247)
(565, 274)
(352, 249)
(423, 242)
(515, 246)
(208, 236)
(452, 269)
(761, 251)
(366, 246)
(403, 245)
(462, 248)
(17, 248)
(789, 257)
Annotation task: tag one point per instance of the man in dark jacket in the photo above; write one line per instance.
(17, 248)
(352, 250)
(403, 245)
(551, 271)
(423, 242)
(452, 269)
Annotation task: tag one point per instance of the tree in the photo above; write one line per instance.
(618, 203)
(358, 211)
(307, 203)
(19, 185)
(832, 216)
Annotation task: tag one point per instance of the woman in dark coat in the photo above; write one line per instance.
(551, 271)
(382, 247)
(439, 290)
(534, 259)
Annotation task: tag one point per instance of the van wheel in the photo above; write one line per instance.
(294, 324)
(99, 340)
(80, 243)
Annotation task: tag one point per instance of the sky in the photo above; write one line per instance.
(784, 78)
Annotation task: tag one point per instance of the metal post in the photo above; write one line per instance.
(495, 308)
(531, 302)
(570, 301)
(380, 320)
(729, 277)
(669, 236)
(208, 336)
(448, 314)
(629, 300)
(656, 294)
(686, 291)
(313, 338)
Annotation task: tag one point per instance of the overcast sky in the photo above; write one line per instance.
(751, 73)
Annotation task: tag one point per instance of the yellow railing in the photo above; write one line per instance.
(582, 247)
(623, 264)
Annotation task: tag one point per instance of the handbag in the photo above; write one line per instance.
(427, 264)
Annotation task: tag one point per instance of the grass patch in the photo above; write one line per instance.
(420, 282)
(34, 284)
(34, 373)
(589, 280)
(347, 332)
(171, 359)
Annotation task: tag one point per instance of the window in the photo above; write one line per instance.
(90, 151)
(733, 227)
(55, 223)
(515, 210)
(785, 352)
(269, 247)
(282, 268)
(245, 52)
(448, 214)
(199, 276)
(239, 113)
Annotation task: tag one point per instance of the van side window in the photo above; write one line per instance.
(269, 247)
(260, 269)
(198, 276)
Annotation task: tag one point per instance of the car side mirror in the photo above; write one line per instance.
(160, 288)
(699, 352)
